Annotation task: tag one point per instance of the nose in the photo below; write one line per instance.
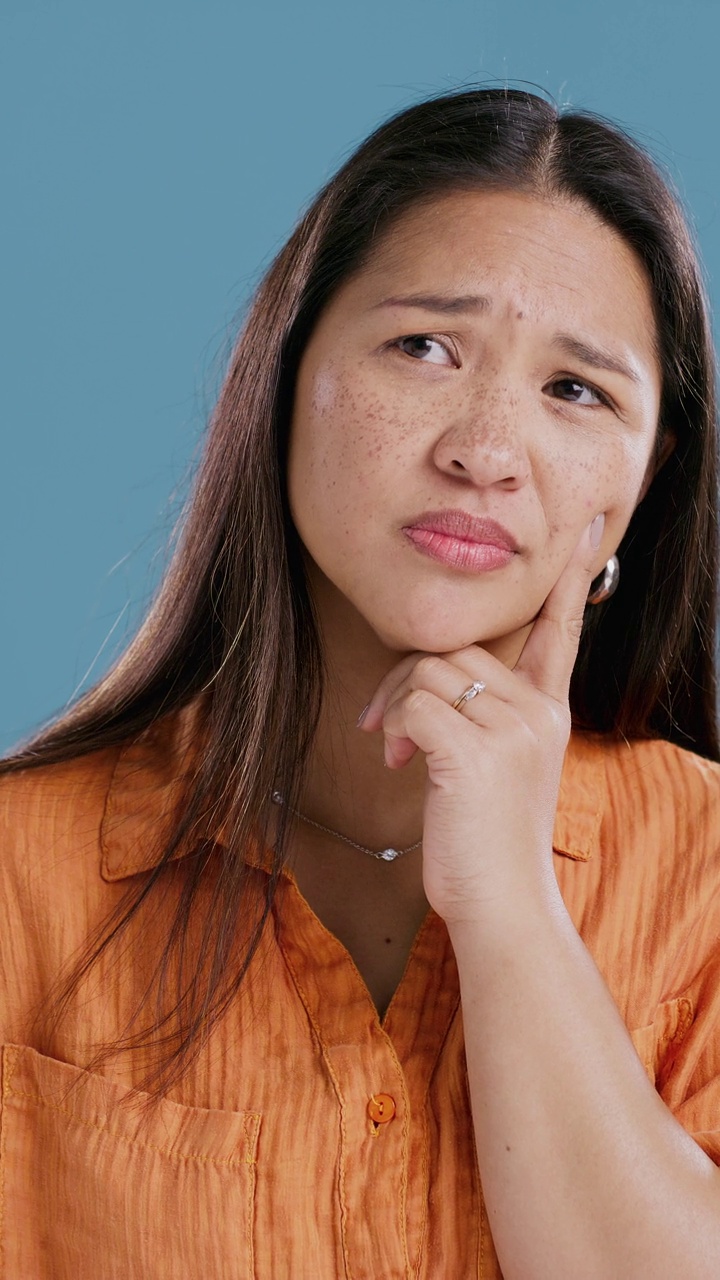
(486, 442)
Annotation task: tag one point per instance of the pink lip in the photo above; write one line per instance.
(461, 540)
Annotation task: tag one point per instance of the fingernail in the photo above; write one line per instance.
(596, 531)
(362, 715)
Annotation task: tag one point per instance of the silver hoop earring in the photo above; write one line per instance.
(607, 583)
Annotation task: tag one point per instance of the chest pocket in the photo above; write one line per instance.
(94, 1188)
(657, 1044)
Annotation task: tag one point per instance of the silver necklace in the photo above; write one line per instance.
(385, 855)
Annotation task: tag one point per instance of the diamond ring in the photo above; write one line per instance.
(474, 689)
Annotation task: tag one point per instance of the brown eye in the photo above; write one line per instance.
(422, 347)
(576, 392)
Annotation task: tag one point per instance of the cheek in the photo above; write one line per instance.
(322, 391)
(320, 436)
(585, 483)
(345, 434)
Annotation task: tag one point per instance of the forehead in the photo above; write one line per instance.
(539, 255)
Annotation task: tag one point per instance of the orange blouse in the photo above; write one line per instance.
(310, 1140)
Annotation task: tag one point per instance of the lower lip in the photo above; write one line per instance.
(478, 557)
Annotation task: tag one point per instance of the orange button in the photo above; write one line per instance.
(381, 1108)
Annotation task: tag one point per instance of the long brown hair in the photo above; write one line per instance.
(233, 621)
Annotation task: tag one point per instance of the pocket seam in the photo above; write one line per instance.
(250, 1120)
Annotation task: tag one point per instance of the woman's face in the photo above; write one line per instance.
(496, 358)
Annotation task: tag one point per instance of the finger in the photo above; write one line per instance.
(492, 698)
(468, 664)
(422, 721)
(372, 716)
(446, 674)
(422, 670)
(446, 682)
(431, 673)
(484, 713)
(549, 654)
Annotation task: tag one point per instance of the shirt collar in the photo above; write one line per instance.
(150, 775)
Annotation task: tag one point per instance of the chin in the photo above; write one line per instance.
(427, 631)
(431, 637)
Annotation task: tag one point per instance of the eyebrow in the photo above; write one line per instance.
(447, 304)
(595, 357)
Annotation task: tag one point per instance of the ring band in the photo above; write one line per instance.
(472, 692)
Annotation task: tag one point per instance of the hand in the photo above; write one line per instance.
(494, 765)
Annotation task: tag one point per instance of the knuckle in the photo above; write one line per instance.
(397, 676)
(429, 666)
(525, 732)
(457, 655)
(574, 627)
(418, 700)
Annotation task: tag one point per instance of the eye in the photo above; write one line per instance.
(577, 392)
(422, 347)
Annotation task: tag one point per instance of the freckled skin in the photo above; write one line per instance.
(380, 435)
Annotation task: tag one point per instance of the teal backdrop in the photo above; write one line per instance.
(154, 155)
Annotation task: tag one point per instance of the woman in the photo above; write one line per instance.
(272, 1009)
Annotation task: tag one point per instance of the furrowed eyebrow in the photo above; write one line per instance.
(445, 304)
(477, 303)
(595, 357)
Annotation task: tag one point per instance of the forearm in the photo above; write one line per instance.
(585, 1172)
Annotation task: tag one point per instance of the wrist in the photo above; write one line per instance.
(510, 918)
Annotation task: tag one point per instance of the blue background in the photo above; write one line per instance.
(154, 156)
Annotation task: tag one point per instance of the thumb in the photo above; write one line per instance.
(549, 653)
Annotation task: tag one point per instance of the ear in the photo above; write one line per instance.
(661, 453)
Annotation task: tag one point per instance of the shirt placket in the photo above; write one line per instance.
(380, 1075)
(373, 1107)
(445, 1216)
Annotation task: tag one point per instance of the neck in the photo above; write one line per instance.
(347, 786)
